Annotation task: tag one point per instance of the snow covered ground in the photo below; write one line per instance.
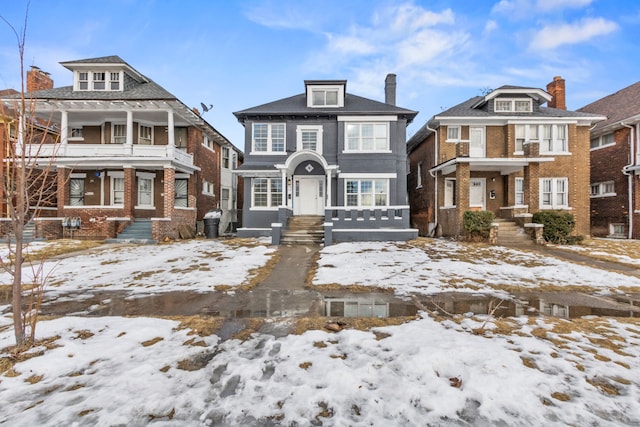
(466, 370)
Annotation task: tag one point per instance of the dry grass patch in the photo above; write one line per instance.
(83, 334)
(304, 324)
(355, 288)
(152, 341)
(251, 327)
(199, 325)
(305, 365)
(563, 397)
(61, 247)
(17, 354)
(604, 386)
(34, 379)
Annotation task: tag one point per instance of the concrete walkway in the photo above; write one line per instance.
(291, 271)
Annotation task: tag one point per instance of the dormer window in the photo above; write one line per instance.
(513, 106)
(322, 95)
(98, 80)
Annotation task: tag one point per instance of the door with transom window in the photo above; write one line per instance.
(308, 195)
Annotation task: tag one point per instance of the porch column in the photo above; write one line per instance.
(63, 188)
(532, 187)
(130, 192)
(328, 189)
(129, 140)
(64, 129)
(170, 129)
(463, 178)
(168, 191)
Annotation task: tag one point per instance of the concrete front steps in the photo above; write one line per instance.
(510, 234)
(304, 230)
(139, 231)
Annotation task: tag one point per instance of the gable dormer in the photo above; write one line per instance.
(514, 100)
(325, 93)
(105, 74)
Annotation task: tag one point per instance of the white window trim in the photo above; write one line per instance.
(75, 138)
(455, 140)
(554, 192)
(554, 138)
(515, 191)
(360, 205)
(512, 108)
(419, 176)
(113, 136)
(140, 126)
(601, 187)
(145, 175)
(600, 144)
(444, 194)
(313, 88)
(269, 198)
(539, 140)
(319, 131)
(360, 150)
(208, 143)
(205, 188)
(90, 81)
(269, 151)
(112, 176)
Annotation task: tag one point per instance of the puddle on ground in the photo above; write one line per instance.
(306, 303)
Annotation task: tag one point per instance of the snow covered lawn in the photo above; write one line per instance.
(617, 250)
(436, 265)
(465, 370)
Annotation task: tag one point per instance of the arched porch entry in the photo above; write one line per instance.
(308, 178)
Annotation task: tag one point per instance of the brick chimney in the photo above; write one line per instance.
(38, 79)
(556, 90)
(390, 89)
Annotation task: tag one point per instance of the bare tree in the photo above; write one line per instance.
(28, 185)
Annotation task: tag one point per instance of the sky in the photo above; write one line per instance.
(445, 370)
(239, 54)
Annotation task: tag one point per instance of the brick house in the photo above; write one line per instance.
(503, 152)
(327, 154)
(128, 152)
(615, 164)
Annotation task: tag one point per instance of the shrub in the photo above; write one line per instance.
(477, 224)
(558, 227)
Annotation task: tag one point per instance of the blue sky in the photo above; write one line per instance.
(237, 55)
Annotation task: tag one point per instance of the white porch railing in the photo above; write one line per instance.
(109, 150)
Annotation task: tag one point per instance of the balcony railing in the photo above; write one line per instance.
(60, 151)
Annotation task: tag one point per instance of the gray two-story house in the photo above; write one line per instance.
(331, 155)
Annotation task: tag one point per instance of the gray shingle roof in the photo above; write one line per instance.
(139, 91)
(297, 105)
(618, 106)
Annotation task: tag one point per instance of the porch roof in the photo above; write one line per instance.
(503, 165)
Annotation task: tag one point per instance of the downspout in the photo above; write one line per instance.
(435, 204)
(625, 170)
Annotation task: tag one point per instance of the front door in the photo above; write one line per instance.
(476, 142)
(477, 193)
(308, 196)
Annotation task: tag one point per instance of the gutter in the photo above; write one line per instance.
(625, 170)
(435, 149)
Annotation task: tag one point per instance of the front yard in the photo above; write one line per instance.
(468, 369)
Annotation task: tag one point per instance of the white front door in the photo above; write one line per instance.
(477, 193)
(476, 142)
(308, 196)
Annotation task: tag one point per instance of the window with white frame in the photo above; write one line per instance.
(118, 134)
(367, 192)
(268, 138)
(602, 141)
(117, 189)
(554, 193)
(225, 157)
(603, 189)
(502, 105)
(419, 177)
(449, 191)
(554, 139)
(207, 142)
(224, 198)
(519, 191)
(617, 229)
(266, 192)
(75, 133)
(83, 81)
(453, 133)
(309, 138)
(114, 81)
(145, 135)
(145, 189)
(367, 137)
(325, 96)
(99, 81)
(181, 137)
(207, 188)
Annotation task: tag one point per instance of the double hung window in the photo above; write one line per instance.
(367, 192)
(267, 192)
(269, 137)
(554, 193)
(367, 137)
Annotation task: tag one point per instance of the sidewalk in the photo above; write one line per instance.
(291, 271)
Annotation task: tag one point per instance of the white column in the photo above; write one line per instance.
(64, 128)
(328, 189)
(170, 129)
(129, 127)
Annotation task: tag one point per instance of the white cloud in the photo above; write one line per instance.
(349, 45)
(549, 5)
(553, 36)
(490, 26)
